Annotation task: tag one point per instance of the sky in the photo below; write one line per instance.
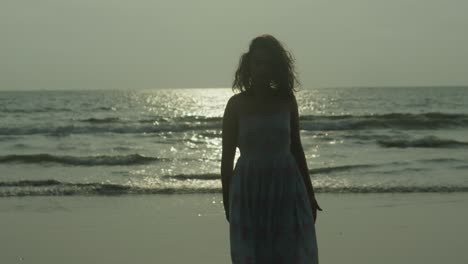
(149, 44)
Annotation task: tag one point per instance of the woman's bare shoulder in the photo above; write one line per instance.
(234, 103)
(243, 105)
(291, 101)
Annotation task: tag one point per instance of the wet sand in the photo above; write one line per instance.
(353, 228)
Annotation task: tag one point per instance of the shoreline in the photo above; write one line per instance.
(191, 228)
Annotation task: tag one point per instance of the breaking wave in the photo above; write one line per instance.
(425, 142)
(58, 188)
(122, 160)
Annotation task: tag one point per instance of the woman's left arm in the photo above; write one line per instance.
(298, 153)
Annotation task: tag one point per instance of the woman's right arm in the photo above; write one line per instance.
(229, 144)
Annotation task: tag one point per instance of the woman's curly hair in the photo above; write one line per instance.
(284, 75)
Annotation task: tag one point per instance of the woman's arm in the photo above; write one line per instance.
(298, 153)
(229, 144)
(297, 150)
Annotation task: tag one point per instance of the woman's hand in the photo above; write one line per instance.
(227, 216)
(315, 207)
(226, 211)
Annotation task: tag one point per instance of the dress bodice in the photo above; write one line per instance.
(264, 135)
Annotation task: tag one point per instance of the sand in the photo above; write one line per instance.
(353, 228)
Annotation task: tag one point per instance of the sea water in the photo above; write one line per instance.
(116, 142)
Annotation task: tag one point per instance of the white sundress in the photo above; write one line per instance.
(270, 221)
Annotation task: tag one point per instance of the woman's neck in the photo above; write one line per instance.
(263, 96)
(262, 89)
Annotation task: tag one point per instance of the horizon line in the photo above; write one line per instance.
(168, 88)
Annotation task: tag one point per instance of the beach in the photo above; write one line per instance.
(133, 176)
(119, 120)
(353, 228)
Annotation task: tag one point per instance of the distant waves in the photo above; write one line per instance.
(79, 161)
(169, 141)
(138, 159)
(424, 142)
(97, 160)
(94, 125)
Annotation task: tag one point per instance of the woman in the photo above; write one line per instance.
(268, 198)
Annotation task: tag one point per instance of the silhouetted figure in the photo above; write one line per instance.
(268, 198)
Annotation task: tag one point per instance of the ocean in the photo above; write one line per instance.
(168, 141)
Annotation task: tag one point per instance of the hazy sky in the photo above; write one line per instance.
(87, 44)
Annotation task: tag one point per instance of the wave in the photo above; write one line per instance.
(442, 160)
(335, 122)
(8, 138)
(101, 120)
(429, 120)
(217, 176)
(94, 125)
(190, 118)
(122, 160)
(204, 176)
(106, 126)
(35, 110)
(425, 142)
(174, 120)
(58, 188)
(340, 168)
(392, 189)
(118, 129)
(53, 109)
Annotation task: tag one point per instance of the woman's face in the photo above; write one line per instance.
(261, 67)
